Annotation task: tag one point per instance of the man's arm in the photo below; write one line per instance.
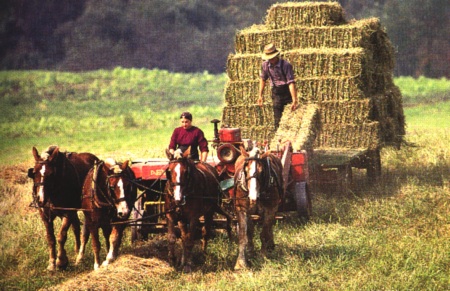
(262, 85)
(203, 156)
(293, 91)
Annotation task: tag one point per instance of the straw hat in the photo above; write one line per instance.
(270, 51)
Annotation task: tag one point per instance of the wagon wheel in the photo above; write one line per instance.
(136, 230)
(302, 197)
(373, 165)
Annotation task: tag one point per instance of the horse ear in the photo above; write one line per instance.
(265, 154)
(36, 155)
(169, 155)
(187, 152)
(124, 165)
(54, 154)
(243, 151)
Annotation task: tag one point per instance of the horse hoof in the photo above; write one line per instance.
(240, 265)
(62, 264)
(187, 269)
(51, 267)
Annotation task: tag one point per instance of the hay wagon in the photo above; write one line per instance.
(349, 106)
(148, 214)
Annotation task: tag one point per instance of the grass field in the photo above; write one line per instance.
(392, 236)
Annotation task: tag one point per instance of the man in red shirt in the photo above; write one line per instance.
(188, 135)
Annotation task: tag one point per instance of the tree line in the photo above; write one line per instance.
(191, 35)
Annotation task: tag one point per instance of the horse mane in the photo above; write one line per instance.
(48, 152)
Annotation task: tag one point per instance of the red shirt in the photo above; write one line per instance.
(193, 136)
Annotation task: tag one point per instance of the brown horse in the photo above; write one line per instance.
(192, 191)
(108, 198)
(58, 179)
(258, 190)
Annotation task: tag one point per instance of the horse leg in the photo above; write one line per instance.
(84, 239)
(95, 245)
(76, 227)
(51, 241)
(188, 244)
(266, 236)
(184, 237)
(251, 228)
(206, 230)
(172, 238)
(241, 262)
(62, 261)
(219, 210)
(115, 239)
(106, 230)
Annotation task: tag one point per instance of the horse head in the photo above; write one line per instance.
(253, 175)
(120, 187)
(178, 174)
(44, 174)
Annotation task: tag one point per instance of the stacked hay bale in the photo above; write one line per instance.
(343, 75)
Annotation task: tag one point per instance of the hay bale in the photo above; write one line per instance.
(354, 136)
(352, 35)
(338, 112)
(306, 63)
(298, 126)
(345, 68)
(247, 115)
(292, 14)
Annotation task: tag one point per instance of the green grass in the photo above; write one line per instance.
(391, 236)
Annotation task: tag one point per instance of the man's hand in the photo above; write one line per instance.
(294, 105)
(260, 101)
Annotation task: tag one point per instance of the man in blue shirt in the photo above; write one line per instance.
(282, 82)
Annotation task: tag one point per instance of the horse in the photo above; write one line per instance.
(107, 201)
(258, 189)
(58, 178)
(192, 191)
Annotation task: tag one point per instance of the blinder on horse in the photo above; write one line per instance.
(266, 177)
(112, 180)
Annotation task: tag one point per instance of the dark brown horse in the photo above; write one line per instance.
(108, 198)
(258, 190)
(58, 179)
(193, 191)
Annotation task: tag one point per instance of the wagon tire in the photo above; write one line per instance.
(303, 200)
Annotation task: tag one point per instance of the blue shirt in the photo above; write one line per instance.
(279, 75)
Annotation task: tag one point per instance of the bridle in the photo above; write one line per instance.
(183, 184)
(266, 177)
(109, 197)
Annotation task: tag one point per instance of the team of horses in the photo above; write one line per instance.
(65, 183)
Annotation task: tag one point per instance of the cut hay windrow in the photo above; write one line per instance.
(353, 35)
(293, 14)
(307, 63)
(364, 136)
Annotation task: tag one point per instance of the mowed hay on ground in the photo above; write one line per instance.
(343, 67)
